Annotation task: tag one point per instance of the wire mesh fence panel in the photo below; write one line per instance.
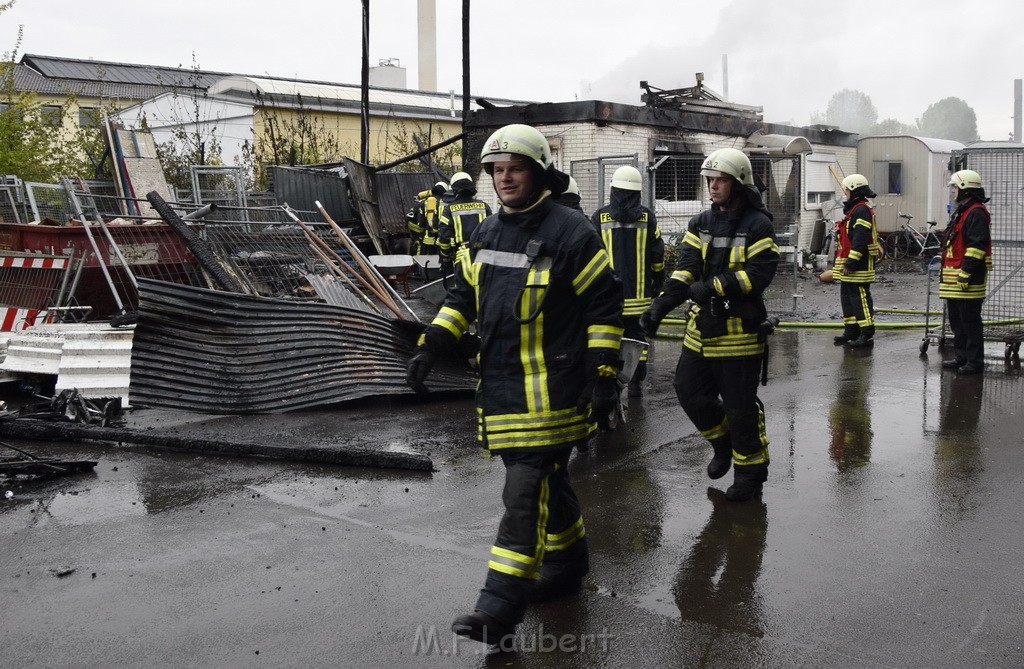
(678, 193)
(11, 210)
(585, 174)
(1002, 173)
(780, 177)
(32, 281)
(49, 201)
(223, 186)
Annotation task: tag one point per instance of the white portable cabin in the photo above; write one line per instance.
(910, 175)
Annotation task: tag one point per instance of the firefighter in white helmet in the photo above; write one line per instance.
(457, 216)
(548, 307)
(633, 240)
(966, 262)
(728, 259)
(855, 264)
(571, 197)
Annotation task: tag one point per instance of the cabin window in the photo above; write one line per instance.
(888, 177)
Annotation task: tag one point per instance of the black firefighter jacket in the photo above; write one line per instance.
(540, 287)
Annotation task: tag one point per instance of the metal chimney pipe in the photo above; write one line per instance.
(725, 76)
(1016, 110)
(426, 42)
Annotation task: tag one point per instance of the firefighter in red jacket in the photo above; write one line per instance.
(548, 307)
(729, 258)
(966, 262)
(855, 264)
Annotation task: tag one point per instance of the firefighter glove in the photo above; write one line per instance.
(650, 320)
(602, 370)
(963, 280)
(604, 400)
(701, 292)
(419, 368)
(657, 281)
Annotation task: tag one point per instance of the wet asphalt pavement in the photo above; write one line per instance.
(889, 535)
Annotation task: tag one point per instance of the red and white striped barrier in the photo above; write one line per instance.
(13, 319)
(30, 262)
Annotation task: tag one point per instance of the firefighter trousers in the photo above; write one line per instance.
(968, 331)
(542, 524)
(858, 307)
(719, 395)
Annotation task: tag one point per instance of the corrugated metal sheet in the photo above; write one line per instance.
(383, 199)
(224, 353)
(302, 188)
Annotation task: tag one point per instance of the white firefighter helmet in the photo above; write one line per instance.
(459, 177)
(854, 181)
(728, 162)
(627, 177)
(966, 179)
(573, 187)
(516, 139)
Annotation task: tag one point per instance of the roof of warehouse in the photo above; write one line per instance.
(94, 78)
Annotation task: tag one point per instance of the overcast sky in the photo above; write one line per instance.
(787, 56)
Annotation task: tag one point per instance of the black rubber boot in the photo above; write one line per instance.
(865, 340)
(953, 364)
(747, 482)
(849, 334)
(722, 460)
(561, 573)
(485, 628)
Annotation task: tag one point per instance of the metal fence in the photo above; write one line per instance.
(1002, 171)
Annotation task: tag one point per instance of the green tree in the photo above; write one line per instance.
(848, 110)
(34, 144)
(401, 141)
(891, 126)
(949, 118)
(194, 139)
(298, 138)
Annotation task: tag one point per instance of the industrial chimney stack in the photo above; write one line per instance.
(426, 41)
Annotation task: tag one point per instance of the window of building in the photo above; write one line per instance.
(678, 179)
(88, 117)
(888, 177)
(52, 115)
(821, 185)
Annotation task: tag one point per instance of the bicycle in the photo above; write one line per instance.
(908, 240)
(830, 233)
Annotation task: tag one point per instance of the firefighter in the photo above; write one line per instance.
(966, 262)
(855, 264)
(633, 240)
(458, 215)
(571, 197)
(729, 258)
(422, 219)
(548, 307)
